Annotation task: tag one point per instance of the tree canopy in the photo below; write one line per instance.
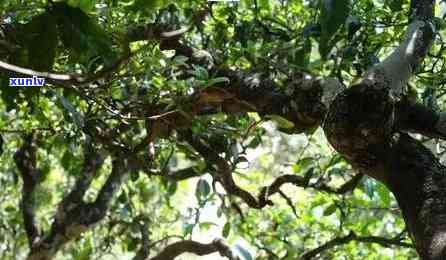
(248, 129)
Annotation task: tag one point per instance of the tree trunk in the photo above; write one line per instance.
(418, 181)
(360, 125)
(367, 123)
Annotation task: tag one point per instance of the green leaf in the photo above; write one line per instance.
(206, 225)
(10, 209)
(243, 252)
(75, 115)
(66, 160)
(330, 210)
(369, 187)
(440, 24)
(171, 187)
(384, 194)
(187, 229)
(148, 5)
(217, 80)
(395, 5)
(333, 15)
(203, 189)
(226, 229)
(73, 3)
(302, 55)
(41, 41)
(303, 164)
(86, 5)
(132, 244)
(255, 141)
(199, 72)
(83, 35)
(264, 4)
(282, 123)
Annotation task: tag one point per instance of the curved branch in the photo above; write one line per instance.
(189, 246)
(65, 78)
(337, 241)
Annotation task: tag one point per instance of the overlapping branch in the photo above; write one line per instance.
(224, 175)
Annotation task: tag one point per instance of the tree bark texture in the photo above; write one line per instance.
(367, 124)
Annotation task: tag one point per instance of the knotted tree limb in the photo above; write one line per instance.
(304, 102)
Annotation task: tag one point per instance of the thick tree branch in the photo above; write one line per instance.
(26, 161)
(395, 71)
(418, 118)
(121, 166)
(304, 103)
(189, 246)
(93, 161)
(363, 125)
(74, 216)
(421, 10)
(361, 120)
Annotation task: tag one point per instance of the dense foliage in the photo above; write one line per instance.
(167, 93)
